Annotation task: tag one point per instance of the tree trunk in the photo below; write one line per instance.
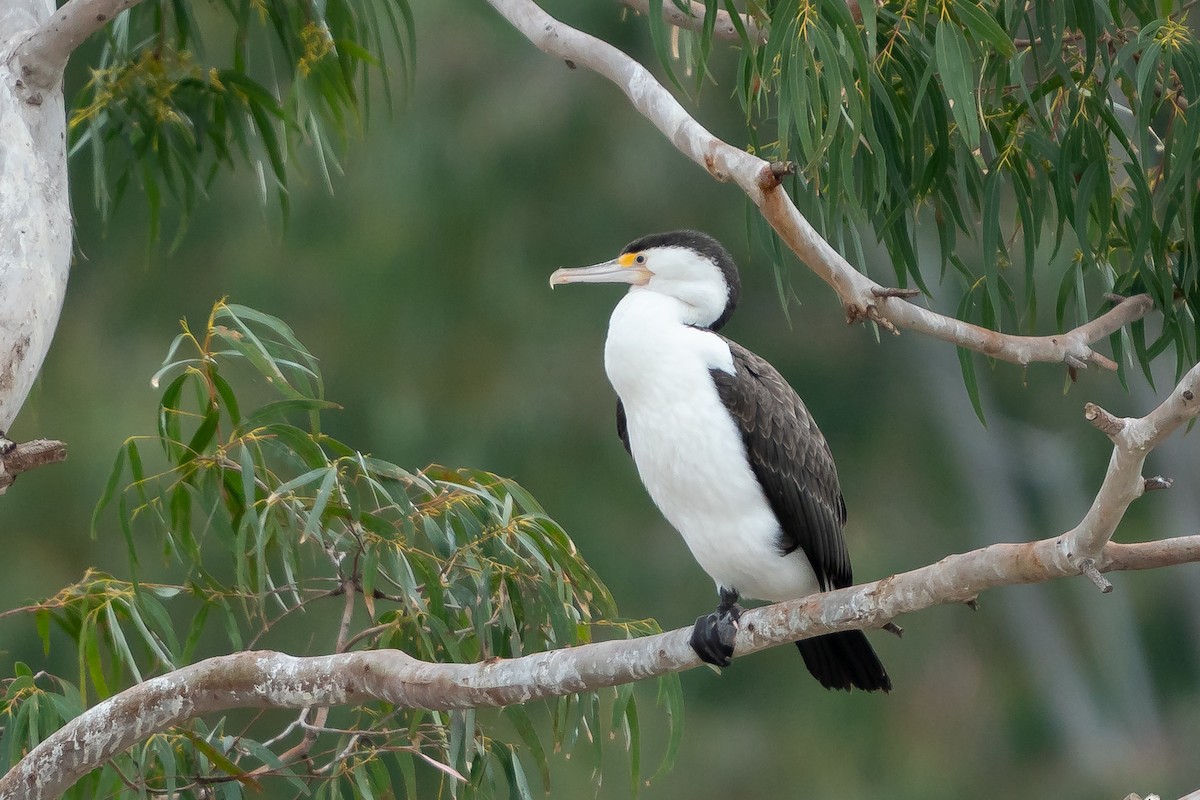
(35, 213)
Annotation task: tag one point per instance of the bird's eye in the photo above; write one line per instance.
(641, 259)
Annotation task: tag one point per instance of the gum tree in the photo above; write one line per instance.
(1058, 139)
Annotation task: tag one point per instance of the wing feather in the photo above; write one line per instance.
(792, 462)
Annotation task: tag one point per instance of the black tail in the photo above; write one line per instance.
(844, 660)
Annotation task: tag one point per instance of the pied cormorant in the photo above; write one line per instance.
(725, 447)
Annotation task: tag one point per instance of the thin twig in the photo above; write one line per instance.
(723, 27)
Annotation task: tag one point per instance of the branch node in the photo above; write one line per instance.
(1157, 482)
(892, 628)
(869, 313)
(1103, 420)
(972, 603)
(772, 174)
(1087, 568)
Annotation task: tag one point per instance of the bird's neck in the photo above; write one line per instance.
(651, 341)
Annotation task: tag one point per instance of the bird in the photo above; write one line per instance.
(725, 447)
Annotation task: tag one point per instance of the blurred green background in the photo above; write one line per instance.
(421, 283)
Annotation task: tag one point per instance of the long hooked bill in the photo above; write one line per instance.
(620, 270)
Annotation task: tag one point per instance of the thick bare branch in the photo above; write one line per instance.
(43, 56)
(862, 298)
(723, 27)
(264, 679)
(26, 456)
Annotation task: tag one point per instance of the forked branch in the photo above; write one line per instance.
(862, 298)
(43, 56)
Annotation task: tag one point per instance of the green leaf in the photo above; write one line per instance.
(110, 486)
(524, 726)
(120, 644)
(992, 243)
(220, 760)
(954, 64)
(659, 34)
(980, 24)
(517, 782)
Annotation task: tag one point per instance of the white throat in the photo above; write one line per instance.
(651, 343)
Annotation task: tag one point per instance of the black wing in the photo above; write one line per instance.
(623, 427)
(792, 462)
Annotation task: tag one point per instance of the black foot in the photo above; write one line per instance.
(714, 634)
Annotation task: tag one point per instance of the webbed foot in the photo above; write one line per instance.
(714, 634)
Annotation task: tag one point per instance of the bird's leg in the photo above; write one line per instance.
(713, 635)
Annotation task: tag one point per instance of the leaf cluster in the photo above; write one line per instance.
(1059, 139)
(162, 114)
(262, 521)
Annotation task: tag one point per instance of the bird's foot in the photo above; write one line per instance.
(7, 445)
(714, 634)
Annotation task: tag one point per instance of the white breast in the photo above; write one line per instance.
(689, 452)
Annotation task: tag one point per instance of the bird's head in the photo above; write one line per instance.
(692, 267)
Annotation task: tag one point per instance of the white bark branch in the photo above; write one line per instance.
(862, 298)
(265, 679)
(43, 55)
(1123, 482)
(723, 27)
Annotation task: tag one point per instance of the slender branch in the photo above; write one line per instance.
(723, 27)
(1133, 439)
(265, 679)
(23, 457)
(862, 298)
(43, 56)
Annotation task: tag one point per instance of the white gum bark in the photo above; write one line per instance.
(35, 213)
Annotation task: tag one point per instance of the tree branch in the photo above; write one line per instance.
(43, 56)
(862, 298)
(1133, 440)
(26, 456)
(723, 27)
(265, 679)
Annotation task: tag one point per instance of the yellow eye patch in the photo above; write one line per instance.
(627, 259)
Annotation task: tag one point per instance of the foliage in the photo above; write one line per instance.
(261, 519)
(158, 113)
(1028, 128)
